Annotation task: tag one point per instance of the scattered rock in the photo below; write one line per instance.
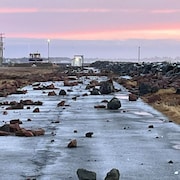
(52, 93)
(62, 103)
(150, 126)
(36, 110)
(170, 162)
(114, 104)
(95, 91)
(114, 174)
(133, 97)
(62, 92)
(106, 87)
(72, 143)
(89, 134)
(84, 174)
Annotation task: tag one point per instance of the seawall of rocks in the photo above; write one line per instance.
(149, 77)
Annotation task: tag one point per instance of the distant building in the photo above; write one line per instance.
(78, 60)
(35, 57)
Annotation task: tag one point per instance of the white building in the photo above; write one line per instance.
(77, 61)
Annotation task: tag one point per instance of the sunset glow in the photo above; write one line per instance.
(91, 20)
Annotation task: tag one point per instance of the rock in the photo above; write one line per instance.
(89, 134)
(113, 175)
(16, 106)
(62, 103)
(4, 133)
(178, 91)
(95, 91)
(24, 133)
(100, 106)
(144, 88)
(84, 174)
(150, 126)
(114, 104)
(106, 87)
(52, 93)
(10, 127)
(14, 121)
(5, 112)
(72, 143)
(132, 97)
(36, 110)
(62, 92)
(38, 132)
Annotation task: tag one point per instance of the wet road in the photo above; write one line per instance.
(121, 138)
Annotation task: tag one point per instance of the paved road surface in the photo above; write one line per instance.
(121, 138)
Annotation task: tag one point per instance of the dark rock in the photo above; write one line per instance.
(144, 88)
(178, 91)
(84, 174)
(16, 106)
(114, 174)
(89, 134)
(106, 87)
(150, 126)
(100, 106)
(95, 91)
(36, 110)
(62, 92)
(114, 104)
(14, 121)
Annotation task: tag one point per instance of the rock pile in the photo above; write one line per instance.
(14, 129)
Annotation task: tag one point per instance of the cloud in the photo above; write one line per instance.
(105, 35)
(17, 10)
(165, 11)
(53, 10)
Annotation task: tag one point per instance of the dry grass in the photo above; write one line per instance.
(169, 103)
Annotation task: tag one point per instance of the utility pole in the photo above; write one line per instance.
(1, 48)
(139, 54)
(48, 41)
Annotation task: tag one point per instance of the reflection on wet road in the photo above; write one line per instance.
(122, 138)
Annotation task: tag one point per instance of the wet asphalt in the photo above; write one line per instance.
(121, 138)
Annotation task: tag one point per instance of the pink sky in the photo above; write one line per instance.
(91, 19)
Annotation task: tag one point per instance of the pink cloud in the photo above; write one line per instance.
(17, 10)
(165, 11)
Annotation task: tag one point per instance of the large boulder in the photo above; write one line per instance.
(113, 175)
(106, 87)
(84, 174)
(114, 103)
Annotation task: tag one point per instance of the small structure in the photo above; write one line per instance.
(78, 60)
(35, 57)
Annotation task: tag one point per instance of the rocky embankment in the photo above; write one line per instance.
(156, 83)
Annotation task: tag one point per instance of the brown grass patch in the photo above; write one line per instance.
(168, 103)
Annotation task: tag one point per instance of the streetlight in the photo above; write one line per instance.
(48, 41)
